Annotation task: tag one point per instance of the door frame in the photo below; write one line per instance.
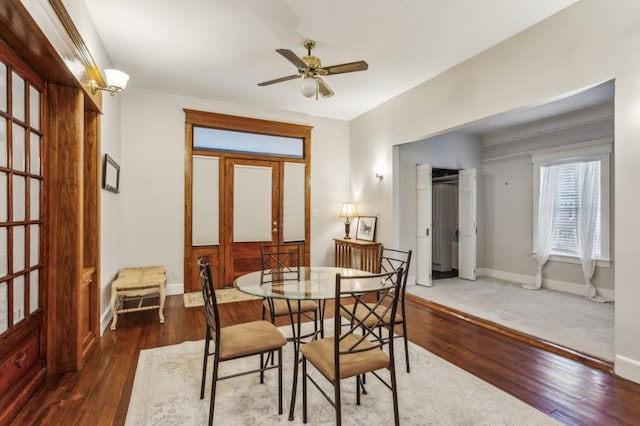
(213, 254)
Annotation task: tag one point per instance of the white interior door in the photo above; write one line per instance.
(423, 225)
(467, 224)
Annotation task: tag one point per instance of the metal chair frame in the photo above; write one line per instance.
(213, 333)
(376, 337)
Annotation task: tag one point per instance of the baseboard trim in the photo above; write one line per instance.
(563, 286)
(628, 368)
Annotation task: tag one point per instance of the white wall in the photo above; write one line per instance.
(111, 209)
(586, 44)
(152, 177)
(508, 180)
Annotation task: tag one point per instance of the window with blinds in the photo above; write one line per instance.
(566, 212)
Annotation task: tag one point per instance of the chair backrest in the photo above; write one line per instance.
(391, 260)
(281, 261)
(379, 315)
(209, 296)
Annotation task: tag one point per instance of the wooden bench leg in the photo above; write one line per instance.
(114, 310)
(161, 308)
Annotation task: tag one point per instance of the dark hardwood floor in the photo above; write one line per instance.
(566, 389)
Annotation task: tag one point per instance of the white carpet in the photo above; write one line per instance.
(166, 391)
(565, 319)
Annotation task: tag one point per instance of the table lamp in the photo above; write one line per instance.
(348, 210)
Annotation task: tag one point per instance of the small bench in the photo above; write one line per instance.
(142, 283)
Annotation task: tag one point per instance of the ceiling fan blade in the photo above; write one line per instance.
(293, 58)
(325, 91)
(279, 80)
(350, 67)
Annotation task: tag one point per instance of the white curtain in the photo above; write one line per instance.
(589, 182)
(545, 229)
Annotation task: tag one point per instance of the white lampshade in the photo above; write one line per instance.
(116, 79)
(348, 210)
(308, 86)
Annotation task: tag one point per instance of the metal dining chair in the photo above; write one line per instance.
(282, 262)
(236, 341)
(350, 352)
(391, 260)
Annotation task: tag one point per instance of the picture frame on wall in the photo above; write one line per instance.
(110, 174)
(366, 229)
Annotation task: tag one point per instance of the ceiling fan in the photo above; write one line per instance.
(311, 70)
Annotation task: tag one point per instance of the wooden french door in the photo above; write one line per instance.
(252, 213)
(22, 260)
(235, 200)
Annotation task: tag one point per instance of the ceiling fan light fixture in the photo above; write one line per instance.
(309, 87)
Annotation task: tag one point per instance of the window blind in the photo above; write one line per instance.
(566, 213)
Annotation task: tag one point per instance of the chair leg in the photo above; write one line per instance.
(394, 393)
(279, 381)
(204, 363)
(214, 382)
(304, 390)
(406, 345)
(337, 402)
(358, 385)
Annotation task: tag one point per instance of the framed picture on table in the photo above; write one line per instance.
(366, 229)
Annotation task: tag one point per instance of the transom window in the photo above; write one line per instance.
(254, 143)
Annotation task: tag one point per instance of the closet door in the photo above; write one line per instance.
(467, 224)
(423, 225)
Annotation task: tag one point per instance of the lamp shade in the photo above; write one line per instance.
(348, 210)
(116, 79)
(308, 86)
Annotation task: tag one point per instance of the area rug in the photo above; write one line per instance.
(166, 391)
(565, 319)
(224, 295)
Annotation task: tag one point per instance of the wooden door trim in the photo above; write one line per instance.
(243, 124)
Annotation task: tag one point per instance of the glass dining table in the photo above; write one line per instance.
(295, 285)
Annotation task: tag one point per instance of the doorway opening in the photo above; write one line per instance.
(444, 223)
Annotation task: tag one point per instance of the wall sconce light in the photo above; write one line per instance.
(379, 176)
(116, 82)
(348, 210)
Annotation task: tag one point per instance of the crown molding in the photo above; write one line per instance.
(592, 115)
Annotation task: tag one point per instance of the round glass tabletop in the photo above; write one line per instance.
(312, 283)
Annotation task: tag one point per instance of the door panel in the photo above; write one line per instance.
(205, 201)
(253, 212)
(294, 209)
(467, 224)
(423, 225)
(252, 201)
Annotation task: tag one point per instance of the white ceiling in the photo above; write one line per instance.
(221, 49)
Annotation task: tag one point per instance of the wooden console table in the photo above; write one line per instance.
(357, 254)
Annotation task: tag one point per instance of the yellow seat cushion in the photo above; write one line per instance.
(280, 306)
(143, 269)
(362, 311)
(320, 354)
(138, 281)
(249, 338)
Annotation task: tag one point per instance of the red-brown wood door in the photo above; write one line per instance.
(252, 200)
